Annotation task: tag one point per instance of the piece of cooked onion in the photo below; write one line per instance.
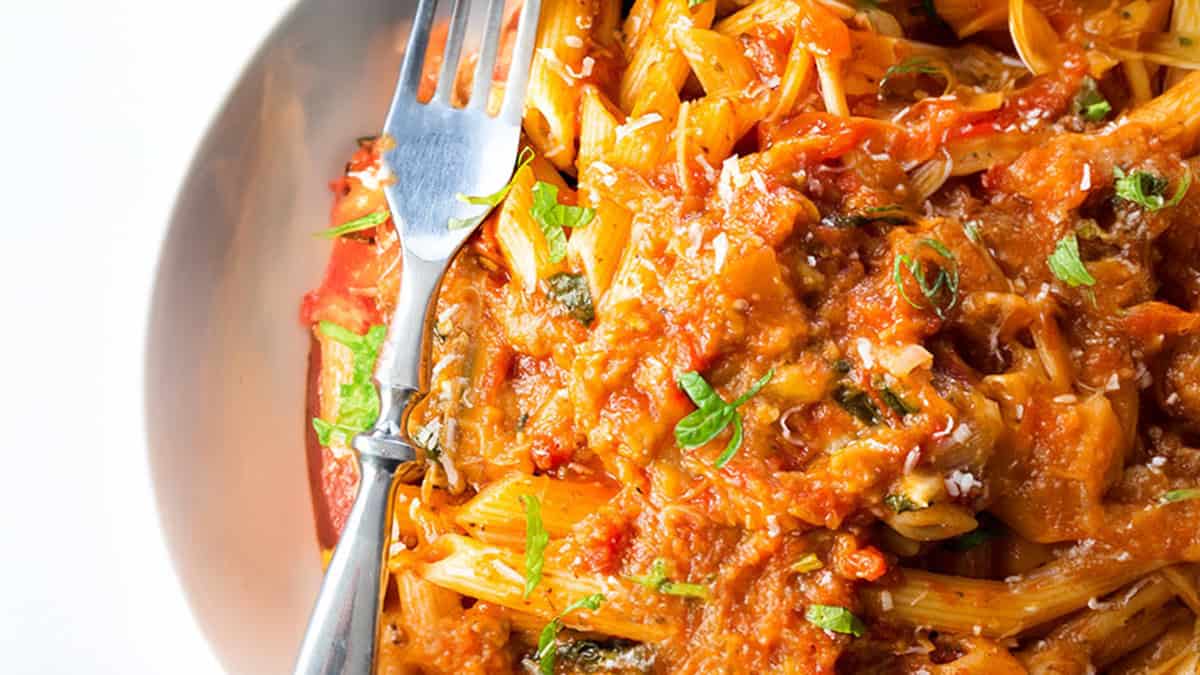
(968, 17)
(934, 523)
(1035, 39)
(930, 176)
(1180, 50)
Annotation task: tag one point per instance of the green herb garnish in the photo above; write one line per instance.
(695, 3)
(536, 540)
(657, 580)
(969, 540)
(1182, 495)
(836, 619)
(358, 400)
(1148, 190)
(893, 401)
(490, 201)
(547, 649)
(809, 562)
(890, 214)
(1090, 104)
(856, 402)
(1066, 264)
(944, 285)
(901, 503)
(357, 225)
(712, 415)
(553, 217)
(572, 290)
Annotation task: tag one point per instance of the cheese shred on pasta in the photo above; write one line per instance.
(826, 337)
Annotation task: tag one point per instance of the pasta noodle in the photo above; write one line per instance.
(809, 337)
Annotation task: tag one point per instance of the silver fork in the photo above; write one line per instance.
(440, 150)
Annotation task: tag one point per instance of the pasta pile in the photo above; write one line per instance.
(808, 337)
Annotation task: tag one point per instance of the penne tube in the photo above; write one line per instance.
(994, 608)
(490, 573)
(717, 61)
(496, 514)
(552, 101)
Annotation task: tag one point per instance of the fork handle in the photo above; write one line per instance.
(340, 639)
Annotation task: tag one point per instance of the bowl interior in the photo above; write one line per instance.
(226, 349)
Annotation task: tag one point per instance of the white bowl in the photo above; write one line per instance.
(226, 354)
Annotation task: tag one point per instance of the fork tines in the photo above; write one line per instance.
(485, 68)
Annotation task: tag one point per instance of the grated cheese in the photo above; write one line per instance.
(720, 244)
(633, 125)
(758, 181)
(1113, 384)
(962, 433)
(373, 178)
(960, 483)
(507, 572)
(585, 68)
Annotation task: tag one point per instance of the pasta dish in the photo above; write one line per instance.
(808, 337)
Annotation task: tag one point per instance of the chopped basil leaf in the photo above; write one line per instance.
(918, 64)
(694, 3)
(1148, 190)
(522, 420)
(969, 540)
(856, 402)
(490, 201)
(809, 562)
(357, 225)
(901, 503)
(358, 400)
(1066, 264)
(945, 282)
(547, 649)
(890, 214)
(1185, 41)
(536, 540)
(657, 581)
(553, 217)
(572, 290)
(836, 619)
(1182, 495)
(893, 401)
(1090, 104)
(712, 415)
(608, 656)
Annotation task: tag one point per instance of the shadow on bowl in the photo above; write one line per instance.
(226, 356)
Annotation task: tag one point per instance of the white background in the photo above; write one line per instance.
(102, 106)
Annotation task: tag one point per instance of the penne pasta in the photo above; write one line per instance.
(812, 336)
(496, 515)
(490, 573)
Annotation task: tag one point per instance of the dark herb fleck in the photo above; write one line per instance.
(896, 403)
(901, 503)
(572, 290)
(856, 402)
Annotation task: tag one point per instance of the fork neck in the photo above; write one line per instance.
(402, 370)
